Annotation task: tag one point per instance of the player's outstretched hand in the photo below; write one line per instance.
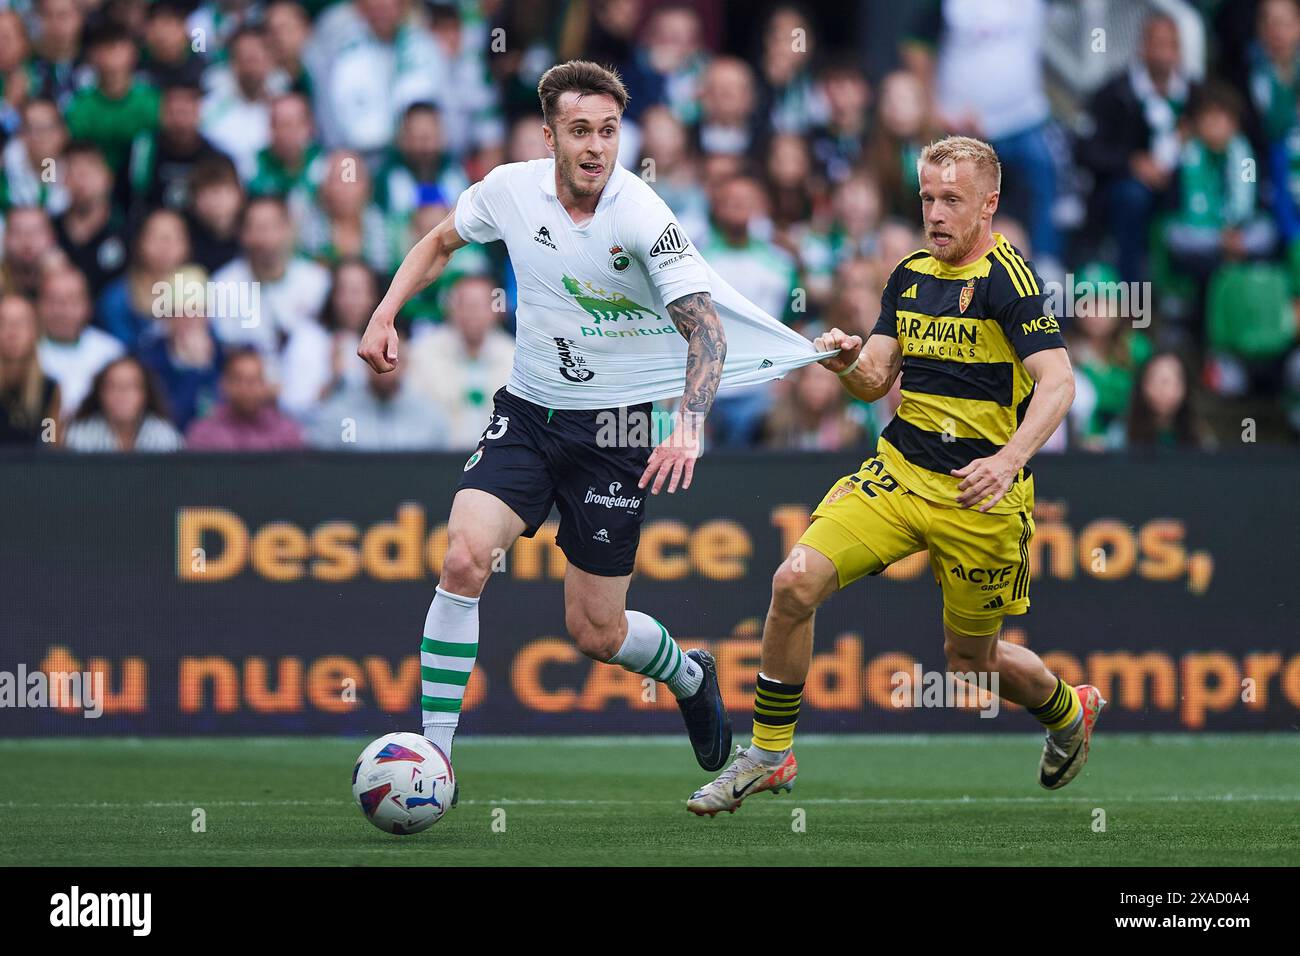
(673, 459)
(984, 477)
(849, 347)
(379, 345)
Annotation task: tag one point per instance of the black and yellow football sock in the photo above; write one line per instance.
(1060, 710)
(776, 711)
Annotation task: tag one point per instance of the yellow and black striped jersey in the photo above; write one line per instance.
(963, 332)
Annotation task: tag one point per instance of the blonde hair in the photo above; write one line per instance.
(953, 149)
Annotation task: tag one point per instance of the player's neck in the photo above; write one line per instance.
(581, 209)
(981, 249)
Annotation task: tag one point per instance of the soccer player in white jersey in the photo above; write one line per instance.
(616, 311)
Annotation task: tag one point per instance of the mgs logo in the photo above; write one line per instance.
(1044, 323)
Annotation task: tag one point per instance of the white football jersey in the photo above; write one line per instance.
(593, 329)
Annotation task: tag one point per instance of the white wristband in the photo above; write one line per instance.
(850, 368)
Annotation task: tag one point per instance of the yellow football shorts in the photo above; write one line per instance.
(867, 521)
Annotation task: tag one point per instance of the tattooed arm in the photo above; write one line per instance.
(706, 349)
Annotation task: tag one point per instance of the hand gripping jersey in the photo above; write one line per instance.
(593, 329)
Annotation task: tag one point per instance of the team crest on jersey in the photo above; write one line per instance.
(967, 294)
(619, 260)
(474, 459)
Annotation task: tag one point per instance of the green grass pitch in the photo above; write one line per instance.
(925, 800)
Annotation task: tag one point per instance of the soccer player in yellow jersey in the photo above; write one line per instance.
(986, 380)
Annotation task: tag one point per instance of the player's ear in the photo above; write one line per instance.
(991, 203)
(548, 134)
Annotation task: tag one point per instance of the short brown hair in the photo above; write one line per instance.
(582, 77)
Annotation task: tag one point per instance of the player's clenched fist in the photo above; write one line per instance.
(849, 346)
(379, 345)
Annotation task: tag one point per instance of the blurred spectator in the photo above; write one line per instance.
(792, 103)
(813, 416)
(728, 120)
(1274, 60)
(29, 250)
(1134, 140)
(293, 165)
(236, 114)
(671, 168)
(792, 185)
(216, 200)
(71, 351)
(384, 414)
(127, 309)
(762, 273)
(1218, 218)
(288, 28)
(186, 357)
(30, 160)
(839, 144)
(57, 49)
(667, 66)
(461, 363)
(984, 63)
(471, 118)
(1106, 352)
(903, 126)
(1163, 412)
(169, 59)
(344, 222)
(124, 411)
(319, 358)
(163, 161)
(418, 171)
(290, 290)
(851, 233)
(15, 77)
(246, 419)
(369, 60)
(217, 21)
(526, 140)
(91, 231)
(116, 107)
(426, 308)
(28, 397)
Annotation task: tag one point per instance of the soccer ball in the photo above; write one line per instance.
(403, 783)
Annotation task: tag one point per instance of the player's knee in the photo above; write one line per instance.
(464, 571)
(796, 592)
(599, 640)
(967, 642)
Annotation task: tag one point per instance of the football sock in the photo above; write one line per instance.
(649, 651)
(1061, 712)
(447, 655)
(776, 711)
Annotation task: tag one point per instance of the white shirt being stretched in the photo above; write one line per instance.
(593, 329)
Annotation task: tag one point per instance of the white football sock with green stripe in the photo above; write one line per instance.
(649, 651)
(447, 656)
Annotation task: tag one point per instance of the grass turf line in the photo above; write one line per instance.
(935, 800)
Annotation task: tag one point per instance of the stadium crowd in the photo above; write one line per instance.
(172, 168)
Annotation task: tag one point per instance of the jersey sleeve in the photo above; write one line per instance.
(659, 243)
(475, 221)
(887, 324)
(1018, 302)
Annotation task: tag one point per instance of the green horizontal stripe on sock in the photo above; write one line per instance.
(440, 675)
(442, 705)
(447, 649)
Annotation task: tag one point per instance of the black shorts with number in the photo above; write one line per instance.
(532, 457)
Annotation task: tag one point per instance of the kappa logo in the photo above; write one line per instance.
(543, 236)
(670, 241)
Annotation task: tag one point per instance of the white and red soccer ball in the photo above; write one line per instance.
(403, 783)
